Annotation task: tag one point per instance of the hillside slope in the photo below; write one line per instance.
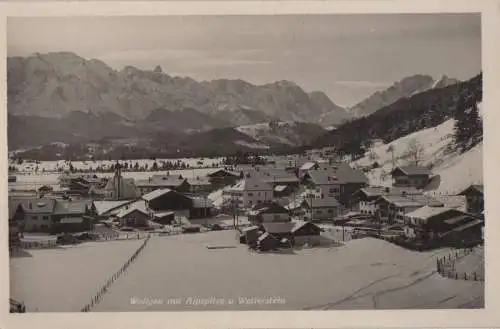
(453, 171)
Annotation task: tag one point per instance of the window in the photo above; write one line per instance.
(45, 217)
(258, 201)
(258, 194)
(34, 217)
(330, 211)
(250, 194)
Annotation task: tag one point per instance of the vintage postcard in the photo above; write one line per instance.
(242, 160)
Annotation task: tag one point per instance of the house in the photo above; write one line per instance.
(73, 224)
(37, 213)
(134, 215)
(249, 192)
(273, 176)
(305, 232)
(250, 235)
(411, 176)
(222, 177)
(280, 230)
(318, 209)
(164, 217)
(170, 200)
(199, 185)
(155, 182)
(267, 242)
(200, 207)
(106, 208)
(393, 208)
(71, 216)
(475, 198)
(428, 223)
(363, 200)
(339, 181)
(268, 212)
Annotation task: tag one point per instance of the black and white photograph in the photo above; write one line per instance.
(297, 162)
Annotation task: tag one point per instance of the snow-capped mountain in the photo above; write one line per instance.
(55, 84)
(404, 88)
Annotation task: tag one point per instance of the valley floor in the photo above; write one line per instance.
(173, 268)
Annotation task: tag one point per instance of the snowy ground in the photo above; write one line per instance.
(456, 172)
(66, 278)
(54, 165)
(34, 181)
(174, 268)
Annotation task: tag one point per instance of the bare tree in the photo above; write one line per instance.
(415, 152)
(390, 149)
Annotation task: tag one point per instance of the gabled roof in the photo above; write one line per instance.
(427, 212)
(278, 227)
(410, 200)
(128, 209)
(267, 207)
(37, 206)
(308, 166)
(156, 194)
(473, 188)
(163, 181)
(252, 184)
(161, 214)
(199, 181)
(339, 173)
(70, 207)
(102, 207)
(413, 170)
(328, 202)
(224, 171)
(301, 224)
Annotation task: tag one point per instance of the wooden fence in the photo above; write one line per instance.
(104, 289)
(446, 266)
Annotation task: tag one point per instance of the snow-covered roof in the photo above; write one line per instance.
(308, 166)
(161, 214)
(427, 212)
(156, 194)
(103, 207)
(413, 170)
(252, 184)
(136, 206)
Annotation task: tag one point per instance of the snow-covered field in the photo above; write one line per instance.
(66, 278)
(456, 171)
(174, 268)
(85, 165)
(34, 181)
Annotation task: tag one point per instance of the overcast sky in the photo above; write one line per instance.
(346, 56)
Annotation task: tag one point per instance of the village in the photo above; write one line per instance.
(279, 208)
(268, 204)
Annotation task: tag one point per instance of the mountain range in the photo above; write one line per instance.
(401, 89)
(62, 97)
